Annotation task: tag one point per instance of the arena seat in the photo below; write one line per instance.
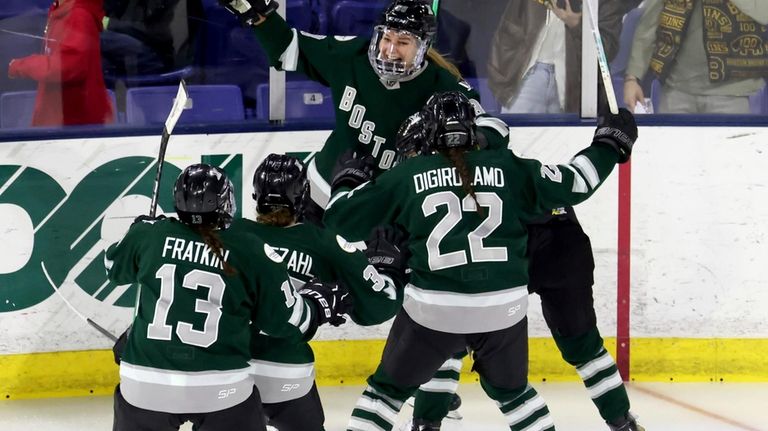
(355, 18)
(304, 100)
(210, 104)
(17, 107)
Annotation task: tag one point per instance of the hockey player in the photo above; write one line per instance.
(560, 270)
(463, 210)
(375, 83)
(202, 280)
(284, 369)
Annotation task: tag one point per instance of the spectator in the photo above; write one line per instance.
(70, 86)
(149, 36)
(702, 69)
(535, 60)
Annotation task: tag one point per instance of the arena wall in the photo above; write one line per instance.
(699, 270)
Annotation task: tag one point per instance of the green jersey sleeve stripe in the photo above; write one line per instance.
(495, 124)
(297, 311)
(307, 320)
(290, 57)
(579, 185)
(586, 167)
(319, 189)
(336, 198)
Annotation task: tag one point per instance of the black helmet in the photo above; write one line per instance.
(454, 118)
(413, 17)
(280, 181)
(415, 135)
(203, 195)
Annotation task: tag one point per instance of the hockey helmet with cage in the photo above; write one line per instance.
(403, 18)
(203, 195)
(279, 182)
(414, 136)
(454, 118)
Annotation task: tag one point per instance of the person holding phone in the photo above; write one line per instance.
(535, 62)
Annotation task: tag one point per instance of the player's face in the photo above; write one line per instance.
(397, 45)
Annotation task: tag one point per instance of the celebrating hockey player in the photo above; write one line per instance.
(560, 271)
(202, 281)
(462, 209)
(280, 186)
(376, 83)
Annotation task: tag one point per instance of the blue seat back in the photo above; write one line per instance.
(20, 36)
(758, 102)
(210, 104)
(12, 8)
(355, 18)
(17, 108)
(303, 100)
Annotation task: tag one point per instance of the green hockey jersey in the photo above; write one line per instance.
(368, 111)
(188, 347)
(469, 270)
(310, 252)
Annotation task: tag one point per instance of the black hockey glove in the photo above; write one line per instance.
(388, 252)
(119, 347)
(249, 12)
(147, 219)
(331, 300)
(352, 170)
(618, 131)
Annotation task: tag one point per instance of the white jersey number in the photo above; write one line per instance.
(478, 252)
(159, 329)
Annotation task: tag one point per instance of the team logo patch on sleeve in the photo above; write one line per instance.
(272, 254)
(345, 245)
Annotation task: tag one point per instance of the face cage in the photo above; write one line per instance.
(395, 70)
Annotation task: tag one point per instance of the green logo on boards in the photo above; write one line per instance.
(66, 231)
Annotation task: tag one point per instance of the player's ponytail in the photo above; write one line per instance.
(281, 218)
(212, 240)
(456, 157)
(443, 62)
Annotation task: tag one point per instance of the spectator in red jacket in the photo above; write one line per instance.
(70, 86)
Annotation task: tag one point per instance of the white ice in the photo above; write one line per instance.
(660, 406)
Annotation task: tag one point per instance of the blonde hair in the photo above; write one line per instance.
(441, 61)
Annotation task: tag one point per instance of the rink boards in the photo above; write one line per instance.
(698, 264)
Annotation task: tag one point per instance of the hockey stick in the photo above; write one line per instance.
(602, 61)
(72, 307)
(179, 104)
(623, 339)
(435, 6)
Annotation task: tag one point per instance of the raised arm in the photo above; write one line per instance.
(554, 186)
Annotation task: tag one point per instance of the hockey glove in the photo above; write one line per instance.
(331, 301)
(388, 252)
(250, 12)
(352, 170)
(147, 219)
(119, 347)
(619, 131)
